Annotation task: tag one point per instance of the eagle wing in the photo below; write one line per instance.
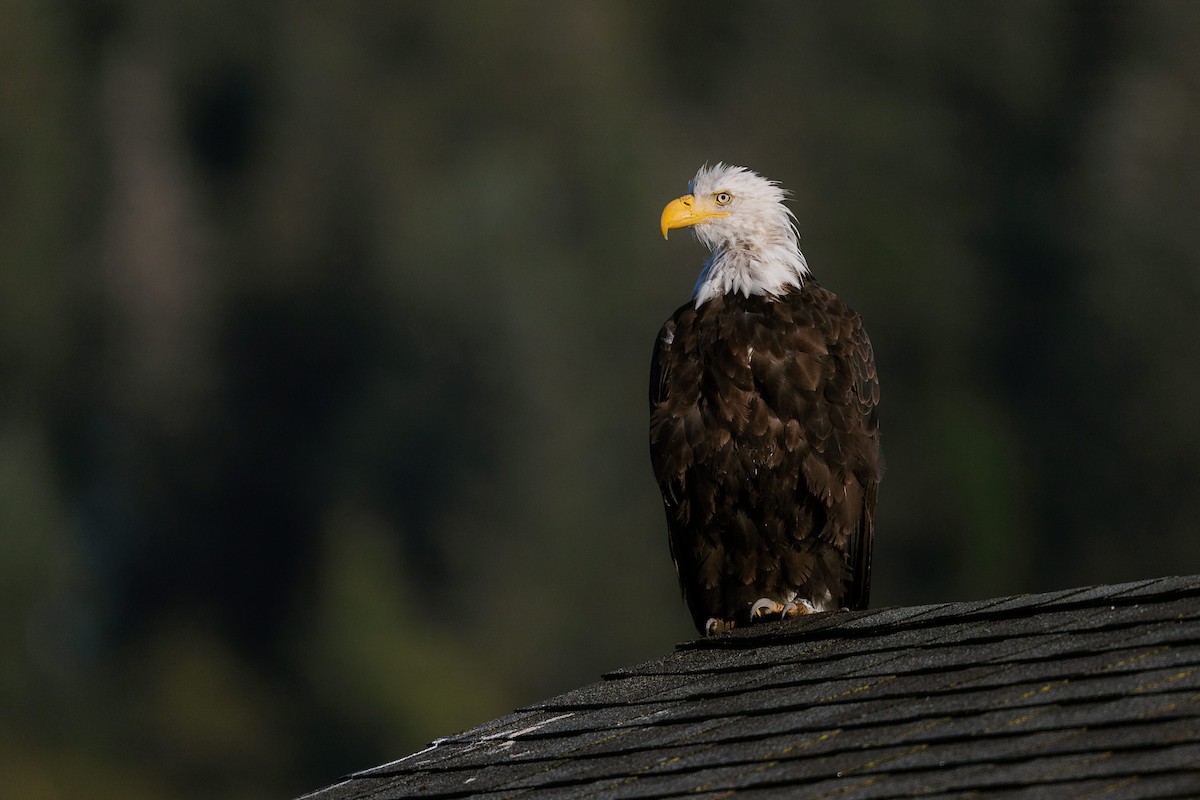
(660, 375)
(860, 363)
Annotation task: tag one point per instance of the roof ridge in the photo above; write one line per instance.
(857, 624)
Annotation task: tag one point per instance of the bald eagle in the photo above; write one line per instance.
(764, 435)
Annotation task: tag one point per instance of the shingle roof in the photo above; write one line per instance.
(1081, 693)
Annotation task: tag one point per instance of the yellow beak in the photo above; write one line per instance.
(682, 212)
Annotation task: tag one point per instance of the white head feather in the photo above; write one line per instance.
(751, 233)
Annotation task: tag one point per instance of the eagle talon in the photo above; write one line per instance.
(714, 626)
(764, 608)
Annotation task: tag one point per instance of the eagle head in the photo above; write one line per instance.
(741, 218)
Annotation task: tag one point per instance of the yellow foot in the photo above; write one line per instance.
(798, 607)
(766, 608)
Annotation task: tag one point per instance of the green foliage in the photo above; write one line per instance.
(324, 334)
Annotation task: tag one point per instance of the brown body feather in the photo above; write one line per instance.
(764, 439)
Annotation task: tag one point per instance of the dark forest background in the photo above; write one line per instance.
(325, 329)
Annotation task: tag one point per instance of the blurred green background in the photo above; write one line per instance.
(325, 330)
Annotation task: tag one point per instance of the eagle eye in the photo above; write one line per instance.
(723, 198)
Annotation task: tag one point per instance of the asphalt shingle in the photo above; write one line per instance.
(1091, 692)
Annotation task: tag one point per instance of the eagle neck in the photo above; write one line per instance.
(773, 271)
